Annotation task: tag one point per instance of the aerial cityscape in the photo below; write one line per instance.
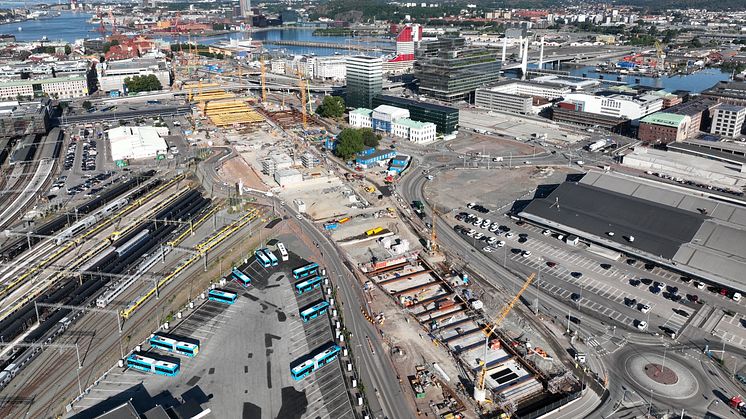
(372, 209)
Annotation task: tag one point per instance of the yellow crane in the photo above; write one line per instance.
(433, 235)
(480, 394)
(302, 88)
(660, 54)
(264, 79)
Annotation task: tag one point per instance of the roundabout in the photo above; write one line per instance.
(663, 375)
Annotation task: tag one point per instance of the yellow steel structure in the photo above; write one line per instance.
(230, 112)
(201, 250)
(660, 55)
(489, 329)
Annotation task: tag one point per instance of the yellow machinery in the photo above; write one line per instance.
(479, 392)
(659, 65)
(433, 235)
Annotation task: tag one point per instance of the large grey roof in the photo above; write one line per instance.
(657, 229)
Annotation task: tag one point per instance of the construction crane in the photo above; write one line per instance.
(660, 54)
(264, 79)
(302, 88)
(480, 394)
(114, 30)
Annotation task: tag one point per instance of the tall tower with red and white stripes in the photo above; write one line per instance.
(408, 39)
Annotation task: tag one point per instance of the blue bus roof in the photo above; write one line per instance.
(315, 307)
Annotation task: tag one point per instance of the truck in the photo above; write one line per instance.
(418, 205)
(597, 145)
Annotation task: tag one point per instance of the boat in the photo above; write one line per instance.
(20, 29)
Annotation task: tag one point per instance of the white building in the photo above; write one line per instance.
(517, 96)
(385, 115)
(111, 74)
(728, 120)
(330, 68)
(59, 88)
(616, 104)
(137, 142)
(361, 118)
(416, 132)
(277, 66)
(288, 177)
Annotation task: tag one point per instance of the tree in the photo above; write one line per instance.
(142, 83)
(370, 138)
(349, 143)
(87, 104)
(68, 49)
(331, 107)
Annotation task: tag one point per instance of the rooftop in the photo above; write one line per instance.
(25, 82)
(362, 111)
(664, 118)
(413, 124)
(692, 107)
(730, 108)
(388, 109)
(424, 105)
(730, 89)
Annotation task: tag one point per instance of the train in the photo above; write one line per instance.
(91, 220)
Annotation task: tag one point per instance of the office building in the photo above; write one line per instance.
(663, 128)
(17, 119)
(450, 72)
(364, 80)
(361, 118)
(445, 118)
(57, 88)
(329, 68)
(616, 105)
(517, 96)
(414, 131)
(385, 115)
(700, 112)
(728, 120)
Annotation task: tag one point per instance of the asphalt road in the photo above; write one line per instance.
(382, 388)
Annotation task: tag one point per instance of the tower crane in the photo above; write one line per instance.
(480, 394)
(660, 54)
(302, 88)
(433, 234)
(114, 30)
(264, 79)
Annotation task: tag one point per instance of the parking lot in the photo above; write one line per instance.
(246, 350)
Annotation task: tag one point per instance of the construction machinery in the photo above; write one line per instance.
(264, 79)
(480, 393)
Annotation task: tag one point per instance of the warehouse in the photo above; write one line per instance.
(668, 225)
(137, 142)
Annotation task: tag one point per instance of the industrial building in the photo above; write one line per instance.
(568, 113)
(515, 96)
(663, 128)
(450, 72)
(445, 118)
(728, 120)
(137, 142)
(364, 80)
(111, 74)
(670, 225)
(729, 152)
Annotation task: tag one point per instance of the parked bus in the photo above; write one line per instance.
(316, 310)
(262, 258)
(308, 284)
(271, 256)
(150, 363)
(241, 277)
(174, 344)
(312, 364)
(222, 296)
(283, 252)
(312, 269)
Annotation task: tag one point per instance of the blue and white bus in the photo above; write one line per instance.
(283, 252)
(271, 256)
(175, 344)
(151, 363)
(262, 258)
(241, 277)
(312, 269)
(222, 296)
(312, 364)
(314, 311)
(308, 284)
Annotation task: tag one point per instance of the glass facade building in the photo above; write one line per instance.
(445, 118)
(449, 71)
(364, 80)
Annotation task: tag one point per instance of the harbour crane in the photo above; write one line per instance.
(660, 54)
(480, 394)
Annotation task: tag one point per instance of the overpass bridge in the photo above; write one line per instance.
(332, 45)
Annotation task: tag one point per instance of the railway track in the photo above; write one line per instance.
(53, 379)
